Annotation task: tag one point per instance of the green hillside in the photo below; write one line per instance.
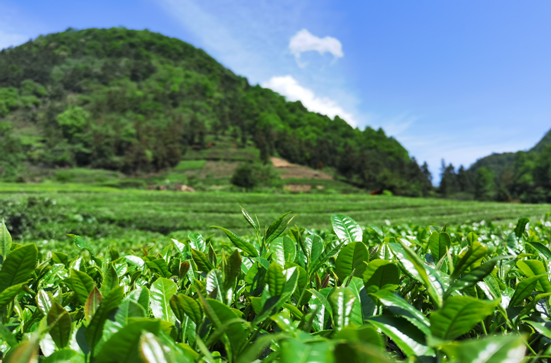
(523, 175)
(138, 102)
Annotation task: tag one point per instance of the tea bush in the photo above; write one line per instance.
(472, 293)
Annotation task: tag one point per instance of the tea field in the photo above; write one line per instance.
(174, 277)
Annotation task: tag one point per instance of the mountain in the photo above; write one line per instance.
(138, 102)
(546, 140)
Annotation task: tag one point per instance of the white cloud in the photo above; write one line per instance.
(304, 41)
(290, 88)
(10, 39)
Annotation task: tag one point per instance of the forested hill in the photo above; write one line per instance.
(136, 101)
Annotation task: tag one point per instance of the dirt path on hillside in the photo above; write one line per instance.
(289, 170)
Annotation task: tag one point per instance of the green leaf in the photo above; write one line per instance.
(412, 264)
(400, 307)
(232, 269)
(129, 309)
(535, 267)
(198, 242)
(472, 255)
(110, 279)
(302, 284)
(521, 227)
(524, 289)
(439, 243)
(473, 277)
(184, 305)
(161, 292)
(215, 282)
(316, 248)
(330, 250)
(380, 274)
(223, 314)
(289, 249)
(5, 241)
(159, 266)
(406, 336)
(496, 349)
(18, 266)
(26, 352)
(123, 346)
(351, 259)
(10, 293)
(92, 304)
(240, 242)
(341, 300)
(201, 260)
(64, 356)
(359, 352)
(276, 279)
(80, 243)
(82, 285)
(277, 228)
(60, 325)
(542, 328)
(44, 301)
(541, 249)
(109, 303)
(459, 315)
(152, 350)
(294, 350)
(346, 228)
(249, 219)
(277, 249)
(7, 336)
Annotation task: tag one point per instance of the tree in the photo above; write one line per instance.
(465, 180)
(448, 182)
(244, 176)
(484, 184)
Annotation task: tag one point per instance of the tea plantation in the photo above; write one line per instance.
(175, 277)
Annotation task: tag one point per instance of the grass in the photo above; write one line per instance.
(185, 165)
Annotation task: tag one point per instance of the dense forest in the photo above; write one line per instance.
(136, 101)
(524, 176)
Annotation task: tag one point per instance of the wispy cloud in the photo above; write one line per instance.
(304, 41)
(393, 126)
(290, 88)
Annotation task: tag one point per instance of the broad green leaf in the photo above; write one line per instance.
(44, 301)
(7, 295)
(80, 243)
(400, 307)
(521, 227)
(407, 337)
(109, 303)
(356, 285)
(316, 249)
(18, 266)
(341, 300)
(184, 305)
(159, 265)
(346, 228)
(359, 352)
(64, 356)
(276, 279)
(289, 249)
(141, 296)
(380, 274)
(201, 260)
(472, 278)
(412, 264)
(535, 267)
(26, 352)
(197, 241)
(541, 249)
(110, 280)
(129, 309)
(152, 350)
(60, 325)
(82, 285)
(302, 284)
(249, 219)
(161, 292)
(92, 304)
(277, 249)
(5, 240)
(351, 258)
(439, 243)
(496, 349)
(524, 289)
(459, 315)
(330, 250)
(215, 282)
(294, 350)
(240, 242)
(365, 334)
(277, 228)
(232, 269)
(123, 346)
(472, 255)
(7, 336)
(542, 328)
(223, 314)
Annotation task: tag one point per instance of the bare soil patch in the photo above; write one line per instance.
(289, 170)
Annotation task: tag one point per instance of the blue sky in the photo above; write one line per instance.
(449, 79)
